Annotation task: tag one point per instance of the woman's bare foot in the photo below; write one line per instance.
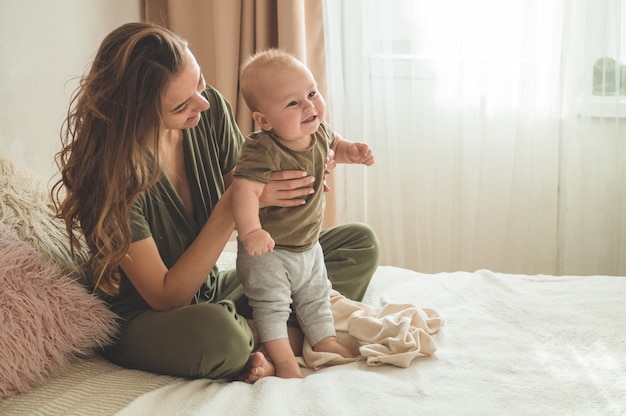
(330, 344)
(256, 368)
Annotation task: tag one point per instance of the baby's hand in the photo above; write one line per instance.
(361, 153)
(257, 242)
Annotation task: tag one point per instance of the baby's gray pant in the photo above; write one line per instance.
(275, 280)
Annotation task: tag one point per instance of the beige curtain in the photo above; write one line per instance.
(223, 33)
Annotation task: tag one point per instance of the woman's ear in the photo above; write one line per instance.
(262, 121)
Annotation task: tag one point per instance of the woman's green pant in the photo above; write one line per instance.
(212, 339)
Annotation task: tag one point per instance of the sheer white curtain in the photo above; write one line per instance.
(472, 109)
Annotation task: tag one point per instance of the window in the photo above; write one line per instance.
(604, 84)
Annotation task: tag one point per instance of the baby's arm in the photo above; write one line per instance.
(245, 207)
(347, 151)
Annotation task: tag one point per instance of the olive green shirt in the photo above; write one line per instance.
(292, 228)
(211, 150)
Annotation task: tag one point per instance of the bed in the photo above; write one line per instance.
(500, 344)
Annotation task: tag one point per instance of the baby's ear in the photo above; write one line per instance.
(261, 120)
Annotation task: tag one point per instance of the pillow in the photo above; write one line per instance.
(47, 318)
(26, 206)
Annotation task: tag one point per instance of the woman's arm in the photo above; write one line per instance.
(165, 289)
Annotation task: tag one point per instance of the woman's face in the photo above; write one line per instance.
(182, 100)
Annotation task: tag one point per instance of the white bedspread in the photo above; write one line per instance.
(509, 345)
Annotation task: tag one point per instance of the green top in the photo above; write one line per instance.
(292, 228)
(211, 150)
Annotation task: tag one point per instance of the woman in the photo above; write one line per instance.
(149, 153)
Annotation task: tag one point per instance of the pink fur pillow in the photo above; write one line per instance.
(46, 317)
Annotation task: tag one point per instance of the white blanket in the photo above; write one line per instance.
(509, 345)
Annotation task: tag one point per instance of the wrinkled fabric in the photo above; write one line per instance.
(394, 334)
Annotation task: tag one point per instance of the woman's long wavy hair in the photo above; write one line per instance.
(113, 123)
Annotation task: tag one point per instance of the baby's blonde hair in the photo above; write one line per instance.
(256, 68)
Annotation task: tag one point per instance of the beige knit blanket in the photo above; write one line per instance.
(393, 334)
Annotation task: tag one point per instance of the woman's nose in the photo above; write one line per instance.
(202, 103)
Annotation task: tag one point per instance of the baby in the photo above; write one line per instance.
(280, 261)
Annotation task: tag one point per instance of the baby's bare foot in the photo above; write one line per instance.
(288, 369)
(282, 356)
(256, 368)
(330, 344)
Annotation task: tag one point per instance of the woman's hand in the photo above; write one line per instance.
(286, 188)
(330, 165)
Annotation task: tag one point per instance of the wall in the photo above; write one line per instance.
(44, 47)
